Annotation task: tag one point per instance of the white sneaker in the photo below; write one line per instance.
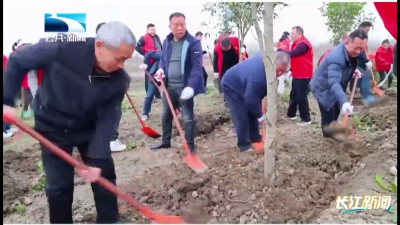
(289, 118)
(12, 130)
(117, 146)
(304, 123)
(7, 135)
(393, 170)
(145, 117)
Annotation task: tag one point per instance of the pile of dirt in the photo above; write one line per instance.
(19, 173)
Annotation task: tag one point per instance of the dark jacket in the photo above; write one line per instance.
(362, 59)
(332, 76)
(192, 68)
(248, 80)
(69, 98)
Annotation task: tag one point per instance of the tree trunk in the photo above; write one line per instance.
(257, 26)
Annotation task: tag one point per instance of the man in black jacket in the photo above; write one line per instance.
(77, 105)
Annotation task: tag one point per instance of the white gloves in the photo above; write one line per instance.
(368, 65)
(261, 119)
(187, 93)
(358, 74)
(159, 75)
(281, 84)
(242, 50)
(391, 66)
(216, 75)
(143, 67)
(347, 108)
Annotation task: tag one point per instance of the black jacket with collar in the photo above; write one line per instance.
(68, 99)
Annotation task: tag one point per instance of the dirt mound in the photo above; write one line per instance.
(19, 171)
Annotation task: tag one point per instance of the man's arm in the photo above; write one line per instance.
(215, 62)
(107, 117)
(335, 73)
(139, 46)
(196, 74)
(31, 57)
(300, 50)
(251, 100)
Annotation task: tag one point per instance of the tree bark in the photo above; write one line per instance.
(257, 26)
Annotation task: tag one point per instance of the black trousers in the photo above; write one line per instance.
(205, 75)
(298, 98)
(382, 75)
(60, 177)
(328, 116)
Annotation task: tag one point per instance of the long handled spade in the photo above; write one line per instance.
(376, 89)
(146, 129)
(259, 146)
(386, 77)
(145, 211)
(192, 160)
(335, 128)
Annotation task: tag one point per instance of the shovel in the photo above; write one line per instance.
(146, 129)
(386, 77)
(10, 117)
(192, 160)
(335, 128)
(377, 90)
(259, 146)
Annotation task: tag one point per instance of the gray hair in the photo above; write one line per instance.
(113, 34)
(282, 57)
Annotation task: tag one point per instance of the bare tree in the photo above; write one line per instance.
(267, 50)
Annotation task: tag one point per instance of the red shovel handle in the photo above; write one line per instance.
(353, 91)
(10, 117)
(134, 109)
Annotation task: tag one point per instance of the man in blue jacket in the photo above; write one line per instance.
(181, 66)
(77, 105)
(245, 85)
(334, 74)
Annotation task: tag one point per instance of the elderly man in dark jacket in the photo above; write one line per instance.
(245, 85)
(181, 66)
(333, 75)
(77, 105)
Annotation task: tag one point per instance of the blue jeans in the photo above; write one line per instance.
(365, 83)
(151, 92)
(6, 126)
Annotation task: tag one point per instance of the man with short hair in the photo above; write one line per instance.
(77, 105)
(150, 42)
(334, 74)
(301, 64)
(199, 36)
(181, 67)
(226, 55)
(115, 145)
(244, 87)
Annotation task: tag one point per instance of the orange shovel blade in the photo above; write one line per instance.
(195, 163)
(164, 219)
(150, 132)
(378, 91)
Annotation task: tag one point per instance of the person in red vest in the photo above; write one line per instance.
(301, 64)
(226, 55)
(384, 61)
(150, 42)
(284, 42)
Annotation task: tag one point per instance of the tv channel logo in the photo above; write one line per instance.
(65, 22)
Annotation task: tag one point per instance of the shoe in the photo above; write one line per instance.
(393, 170)
(26, 114)
(7, 136)
(117, 146)
(290, 118)
(12, 130)
(304, 123)
(145, 117)
(160, 146)
(371, 101)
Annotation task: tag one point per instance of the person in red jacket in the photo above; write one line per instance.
(384, 61)
(284, 42)
(150, 42)
(226, 55)
(243, 50)
(301, 64)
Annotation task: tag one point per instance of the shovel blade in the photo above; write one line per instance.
(150, 132)
(259, 147)
(195, 163)
(164, 219)
(378, 91)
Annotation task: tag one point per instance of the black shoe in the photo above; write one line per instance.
(160, 146)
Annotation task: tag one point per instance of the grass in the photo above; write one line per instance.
(42, 179)
(21, 208)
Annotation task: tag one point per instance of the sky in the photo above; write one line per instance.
(27, 22)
